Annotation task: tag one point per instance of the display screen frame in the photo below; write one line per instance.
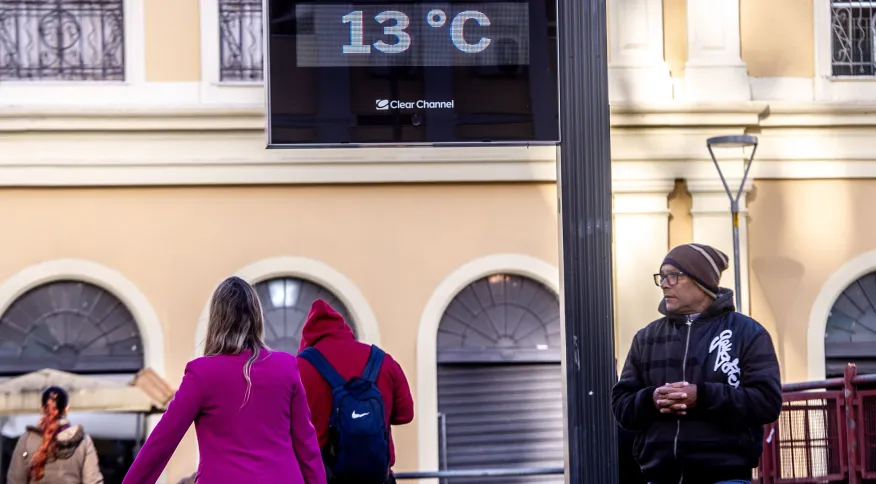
(532, 141)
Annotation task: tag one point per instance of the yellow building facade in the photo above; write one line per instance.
(150, 180)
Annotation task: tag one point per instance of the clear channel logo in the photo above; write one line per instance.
(387, 104)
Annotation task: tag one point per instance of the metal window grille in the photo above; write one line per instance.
(69, 40)
(70, 326)
(240, 40)
(850, 335)
(852, 38)
(286, 302)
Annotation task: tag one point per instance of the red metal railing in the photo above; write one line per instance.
(826, 433)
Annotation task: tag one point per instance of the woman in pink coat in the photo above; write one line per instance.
(247, 402)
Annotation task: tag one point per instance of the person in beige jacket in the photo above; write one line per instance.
(54, 452)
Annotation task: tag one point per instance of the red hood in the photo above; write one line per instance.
(323, 321)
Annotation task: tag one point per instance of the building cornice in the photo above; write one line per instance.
(218, 145)
(251, 117)
(813, 115)
(17, 119)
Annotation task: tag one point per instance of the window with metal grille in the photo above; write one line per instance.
(68, 40)
(501, 318)
(71, 326)
(852, 38)
(851, 329)
(240, 41)
(285, 303)
(500, 384)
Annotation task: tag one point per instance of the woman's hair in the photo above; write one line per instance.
(236, 324)
(54, 405)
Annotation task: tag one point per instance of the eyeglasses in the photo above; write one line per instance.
(672, 277)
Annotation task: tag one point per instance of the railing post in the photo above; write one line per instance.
(768, 474)
(850, 395)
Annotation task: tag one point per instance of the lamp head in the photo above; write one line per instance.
(736, 141)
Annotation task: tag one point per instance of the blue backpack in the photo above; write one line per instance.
(358, 448)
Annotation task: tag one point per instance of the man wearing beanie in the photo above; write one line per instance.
(699, 383)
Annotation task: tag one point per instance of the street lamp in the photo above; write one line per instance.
(742, 141)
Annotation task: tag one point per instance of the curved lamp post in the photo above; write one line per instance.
(741, 141)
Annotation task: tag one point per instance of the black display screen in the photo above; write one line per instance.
(392, 73)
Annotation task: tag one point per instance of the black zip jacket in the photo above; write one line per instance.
(731, 360)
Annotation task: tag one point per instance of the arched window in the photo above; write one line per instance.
(286, 302)
(500, 399)
(851, 329)
(501, 318)
(70, 326)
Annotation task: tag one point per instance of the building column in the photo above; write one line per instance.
(713, 225)
(636, 69)
(714, 70)
(641, 240)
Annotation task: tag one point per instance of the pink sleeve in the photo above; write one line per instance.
(159, 447)
(304, 436)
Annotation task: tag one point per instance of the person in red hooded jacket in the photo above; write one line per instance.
(326, 330)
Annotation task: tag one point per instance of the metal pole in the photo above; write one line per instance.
(584, 179)
(450, 475)
(743, 140)
(737, 270)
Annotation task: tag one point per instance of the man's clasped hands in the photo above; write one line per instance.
(676, 398)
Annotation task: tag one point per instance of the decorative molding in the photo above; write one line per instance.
(651, 83)
(314, 271)
(815, 170)
(714, 68)
(54, 96)
(216, 145)
(637, 70)
(827, 296)
(427, 351)
(707, 186)
(251, 117)
(100, 119)
(133, 89)
(634, 198)
(640, 186)
(784, 89)
(726, 83)
(817, 115)
(716, 202)
(151, 330)
(687, 114)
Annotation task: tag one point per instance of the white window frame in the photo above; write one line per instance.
(213, 89)
(79, 93)
(830, 88)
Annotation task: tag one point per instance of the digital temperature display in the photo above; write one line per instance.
(413, 34)
(405, 72)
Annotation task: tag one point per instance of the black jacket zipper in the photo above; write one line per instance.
(689, 324)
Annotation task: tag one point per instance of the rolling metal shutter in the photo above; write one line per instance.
(501, 416)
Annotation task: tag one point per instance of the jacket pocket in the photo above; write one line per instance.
(653, 448)
(712, 445)
(638, 444)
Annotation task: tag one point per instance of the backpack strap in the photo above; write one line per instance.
(372, 368)
(322, 365)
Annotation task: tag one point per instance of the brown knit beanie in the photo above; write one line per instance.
(701, 263)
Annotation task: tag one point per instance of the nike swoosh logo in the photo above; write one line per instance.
(359, 415)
